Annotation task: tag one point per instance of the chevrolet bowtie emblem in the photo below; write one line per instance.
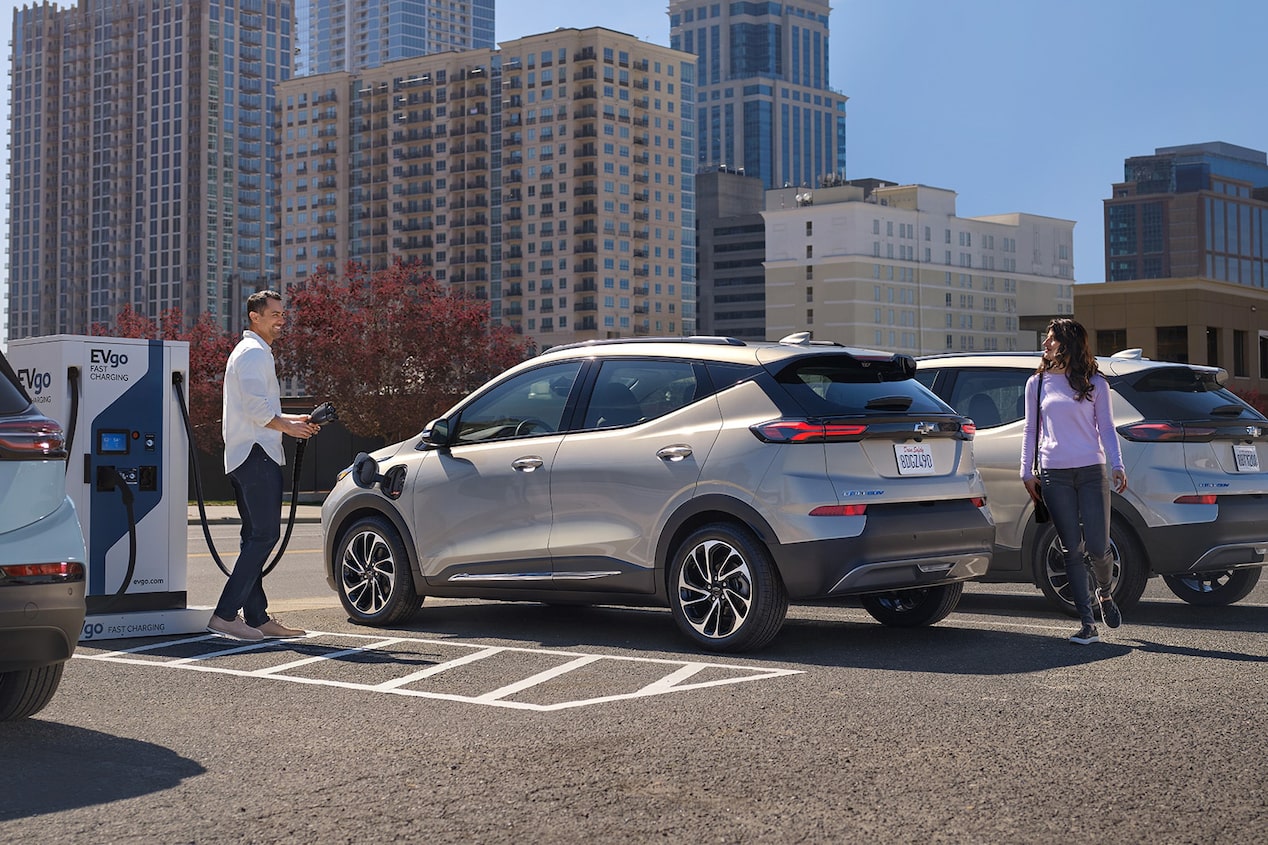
(926, 427)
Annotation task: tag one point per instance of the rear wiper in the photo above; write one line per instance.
(1228, 410)
(889, 403)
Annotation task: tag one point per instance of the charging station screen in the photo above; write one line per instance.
(112, 443)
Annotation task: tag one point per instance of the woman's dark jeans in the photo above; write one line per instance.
(257, 485)
(1079, 501)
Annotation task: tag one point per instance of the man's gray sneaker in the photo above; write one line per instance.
(234, 630)
(1086, 635)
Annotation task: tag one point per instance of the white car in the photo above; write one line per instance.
(41, 554)
(1196, 508)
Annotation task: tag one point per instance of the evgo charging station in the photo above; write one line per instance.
(127, 472)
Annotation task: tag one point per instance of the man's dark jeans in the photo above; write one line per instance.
(257, 485)
(1079, 501)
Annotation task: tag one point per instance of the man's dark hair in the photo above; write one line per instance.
(256, 301)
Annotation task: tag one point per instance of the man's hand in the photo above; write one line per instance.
(295, 425)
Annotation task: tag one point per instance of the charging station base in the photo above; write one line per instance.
(145, 623)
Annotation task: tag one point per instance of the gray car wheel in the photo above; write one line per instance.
(372, 570)
(724, 591)
(25, 692)
(1214, 589)
(1127, 580)
(913, 608)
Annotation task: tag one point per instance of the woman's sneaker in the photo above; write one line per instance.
(1110, 612)
(1086, 635)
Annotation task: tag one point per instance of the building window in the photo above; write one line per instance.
(1212, 346)
(1173, 343)
(1240, 368)
(1109, 341)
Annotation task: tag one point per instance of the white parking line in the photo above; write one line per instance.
(611, 673)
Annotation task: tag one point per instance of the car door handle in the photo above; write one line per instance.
(674, 453)
(528, 463)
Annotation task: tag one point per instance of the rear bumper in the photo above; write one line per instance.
(1236, 538)
(903, 547)
(39, 624)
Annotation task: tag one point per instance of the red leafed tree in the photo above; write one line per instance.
(391, 348)
(209, 348)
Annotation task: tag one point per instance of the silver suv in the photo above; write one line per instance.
(1196, 509)
(716, 477)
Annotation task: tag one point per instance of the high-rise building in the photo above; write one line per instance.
(553, 177)
(355, 35)
(731, 251)
(764, 105)
(874, 264)
(1192, 211)
(142, 159)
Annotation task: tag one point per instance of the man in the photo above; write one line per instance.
(253, 427)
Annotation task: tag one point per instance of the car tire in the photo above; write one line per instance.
(1214, 589)
(913, 608)
(372, 572)
(1127, 583)
(723, 590)
(25, 692)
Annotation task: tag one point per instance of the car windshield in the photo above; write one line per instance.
(1182, 393)
(842, 385)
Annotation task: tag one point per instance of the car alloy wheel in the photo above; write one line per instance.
(1214, 589)
(1128, 575)
(375, 584)
(725, 593)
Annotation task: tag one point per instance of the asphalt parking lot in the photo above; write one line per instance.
(494, 722)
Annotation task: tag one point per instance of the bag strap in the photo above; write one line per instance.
(1034, 464)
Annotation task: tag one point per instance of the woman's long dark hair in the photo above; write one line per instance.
(1074, 354)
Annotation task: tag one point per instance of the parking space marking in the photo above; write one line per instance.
(676, 678)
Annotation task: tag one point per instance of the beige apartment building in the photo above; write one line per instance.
(1192, 320)
(553, 177)
(875, 264)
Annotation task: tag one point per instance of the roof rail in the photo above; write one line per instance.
(712, 340)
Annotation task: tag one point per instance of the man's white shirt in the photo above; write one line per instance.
(252, 398)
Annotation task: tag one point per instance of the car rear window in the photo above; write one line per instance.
(1181, 393)
(842, 385)
(12, 399)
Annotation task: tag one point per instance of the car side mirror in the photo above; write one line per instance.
(436, 434)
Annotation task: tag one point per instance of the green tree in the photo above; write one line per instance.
(391, 348)
(209, 348)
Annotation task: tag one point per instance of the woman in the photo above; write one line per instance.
(1068, 419)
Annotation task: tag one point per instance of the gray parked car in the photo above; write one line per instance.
(720, 478)
(1196, 509)
(41, 554)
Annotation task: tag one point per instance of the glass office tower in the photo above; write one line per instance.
(354, 35)
(764, 103)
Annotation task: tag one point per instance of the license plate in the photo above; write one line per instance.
(914, 458)
(1245, 457)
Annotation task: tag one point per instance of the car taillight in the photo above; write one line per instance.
(839, 510)
(61, 571)
(806, 431)
(1167, 432)
(32, 438)
(968, 429)
(978, 502)
(1204, 499)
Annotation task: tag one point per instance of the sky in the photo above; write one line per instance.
(1016, 105)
